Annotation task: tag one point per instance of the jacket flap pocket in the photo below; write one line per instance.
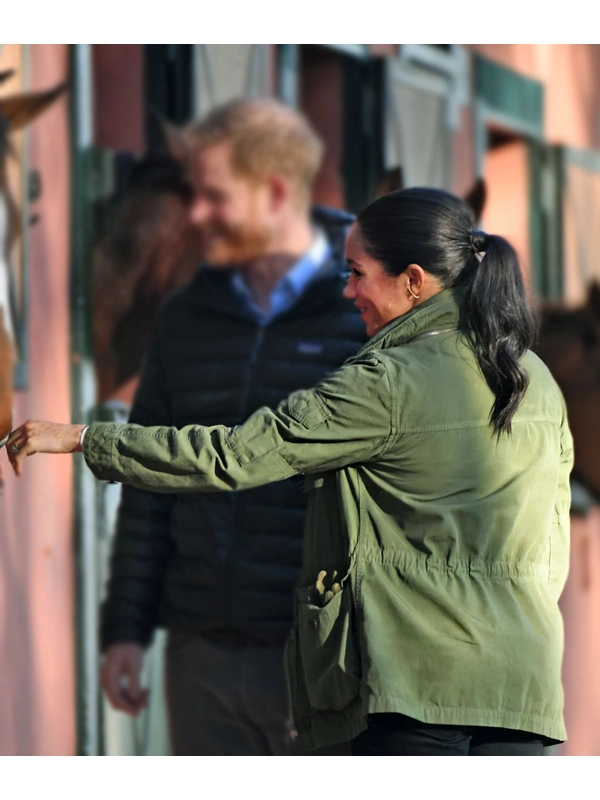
(329, 650)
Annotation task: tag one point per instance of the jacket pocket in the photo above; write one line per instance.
(329, 651)
(307, 409)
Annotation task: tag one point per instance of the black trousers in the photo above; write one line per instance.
(397, 735)
(230, 702)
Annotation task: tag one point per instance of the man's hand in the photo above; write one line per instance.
(120, 677)
(42, 437)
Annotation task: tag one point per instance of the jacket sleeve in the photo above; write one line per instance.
(346, 419)
(142, 539)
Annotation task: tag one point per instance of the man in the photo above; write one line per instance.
(265, 318)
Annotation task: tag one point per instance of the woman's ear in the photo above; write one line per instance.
(416, 277)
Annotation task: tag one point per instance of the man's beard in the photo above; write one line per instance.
(234, 246)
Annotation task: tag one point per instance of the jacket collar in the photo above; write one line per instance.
(442, 311)
(212, 290)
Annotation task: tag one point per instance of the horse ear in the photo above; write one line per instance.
(594, 298)
(392, 181)
(21, 109)
(173, 137)
(476, 197)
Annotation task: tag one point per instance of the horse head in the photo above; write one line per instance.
(569, 344)
(16, 112)
(146, 249)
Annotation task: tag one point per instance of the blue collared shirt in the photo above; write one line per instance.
(289, 288)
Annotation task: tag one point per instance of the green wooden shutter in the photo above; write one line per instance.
(546, 225)
(509, 95)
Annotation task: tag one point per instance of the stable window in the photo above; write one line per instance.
(425, 88)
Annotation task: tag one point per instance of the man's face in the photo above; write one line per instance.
(232, 213)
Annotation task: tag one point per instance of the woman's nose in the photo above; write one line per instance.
(349, 292)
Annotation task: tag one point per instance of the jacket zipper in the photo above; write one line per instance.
(258, 341)
(251, 368)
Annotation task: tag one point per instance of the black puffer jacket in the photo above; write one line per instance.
(224, 565)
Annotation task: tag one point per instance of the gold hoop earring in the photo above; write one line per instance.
(410, 291)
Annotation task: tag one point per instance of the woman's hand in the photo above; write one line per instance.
(42, 437)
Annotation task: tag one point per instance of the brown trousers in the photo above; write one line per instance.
(229, 702)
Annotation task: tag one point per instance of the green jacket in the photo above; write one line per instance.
(451, 546)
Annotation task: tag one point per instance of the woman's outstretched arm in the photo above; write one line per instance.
(346, 419)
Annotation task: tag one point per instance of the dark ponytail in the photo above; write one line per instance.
(499, 323)
(435, 229)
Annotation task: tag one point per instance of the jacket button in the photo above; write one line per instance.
(305, 723)
(313, 624)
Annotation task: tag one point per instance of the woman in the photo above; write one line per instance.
(437, 462)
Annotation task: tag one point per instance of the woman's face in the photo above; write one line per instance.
(380, 297)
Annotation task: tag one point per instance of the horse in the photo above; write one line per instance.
(16, 112)
(569, 344)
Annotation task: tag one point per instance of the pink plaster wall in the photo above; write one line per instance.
(37, 677)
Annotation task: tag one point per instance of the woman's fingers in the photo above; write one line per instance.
(16, 448)
(37, 436)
